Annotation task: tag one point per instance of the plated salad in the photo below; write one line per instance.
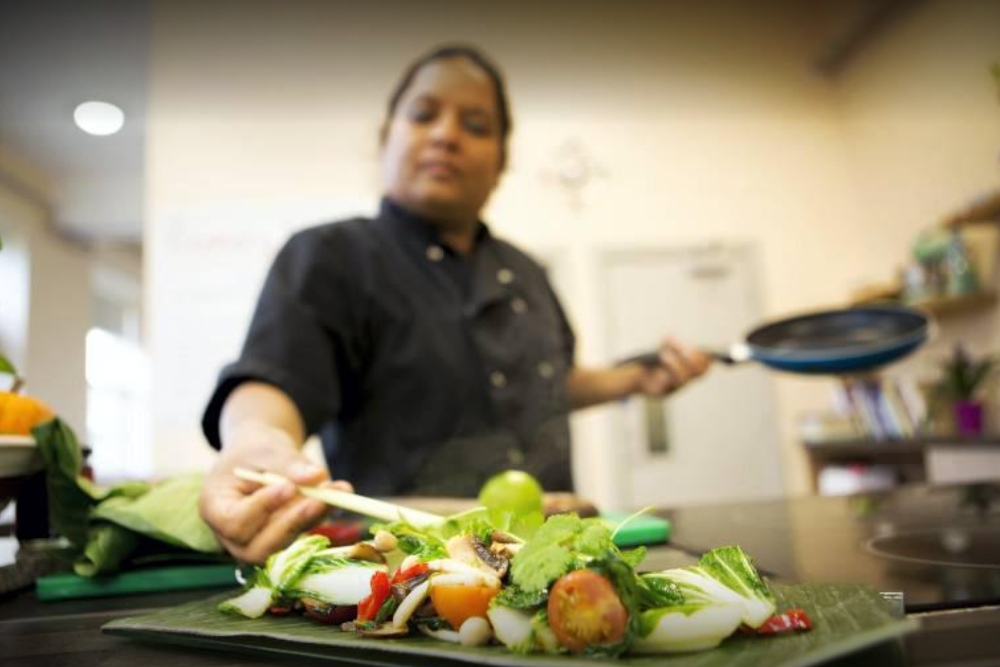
(478, 578)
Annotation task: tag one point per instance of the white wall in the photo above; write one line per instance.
(706, 121)
(51, 353)
(922, 126)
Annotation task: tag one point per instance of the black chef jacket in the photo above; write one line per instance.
(423, 370)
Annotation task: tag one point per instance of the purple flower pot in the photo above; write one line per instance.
(968, 417)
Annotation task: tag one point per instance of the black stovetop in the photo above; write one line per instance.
(938, 545)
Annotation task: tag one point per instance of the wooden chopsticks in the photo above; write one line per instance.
(377, 509)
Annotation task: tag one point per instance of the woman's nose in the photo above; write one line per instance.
(446, 130)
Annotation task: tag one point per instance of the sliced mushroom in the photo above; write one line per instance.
(385, 631)
(325, 612)
(443, 634)
(410, 604)
(504, 538)
(471, 551)
(403, 588)
(475, 631)
(357, 551)
(409, 562)
(505, 549)
(497, 562)
(462, 548)
(459, 566)
(466, 579)
(426, 610)
(505, 544)
(385, 541)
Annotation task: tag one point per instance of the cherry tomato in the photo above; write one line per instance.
(457, 603)
(584, 610)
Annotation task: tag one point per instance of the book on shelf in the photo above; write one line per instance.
(883, 408)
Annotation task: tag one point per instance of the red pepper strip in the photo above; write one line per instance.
(339, 533)
(409, 573)
(279, 610)
(787, 621)
(368, 608)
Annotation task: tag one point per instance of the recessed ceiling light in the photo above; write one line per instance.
(98, 118)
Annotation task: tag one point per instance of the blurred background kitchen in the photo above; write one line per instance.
(691, 168)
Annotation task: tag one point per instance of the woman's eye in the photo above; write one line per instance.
(421, 114)
(478, 126)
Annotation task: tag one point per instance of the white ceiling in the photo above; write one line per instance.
(54, 55)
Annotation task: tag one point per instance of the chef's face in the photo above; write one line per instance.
(442, 147)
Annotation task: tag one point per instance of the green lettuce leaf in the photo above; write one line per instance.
(626, 583)
(414, 541)
(563, 543)
(428, 543)
(517, 598)
(656, 591)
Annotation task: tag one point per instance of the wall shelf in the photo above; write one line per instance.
(916, 452)
(938, 306)
(941, 306)
(985, 209)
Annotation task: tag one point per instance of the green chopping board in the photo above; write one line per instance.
(69, 586)
(641, 530)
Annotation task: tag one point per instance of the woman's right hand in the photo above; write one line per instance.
(253, 521)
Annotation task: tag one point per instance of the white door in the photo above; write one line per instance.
(717, 440)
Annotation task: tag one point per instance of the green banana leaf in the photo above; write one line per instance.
(167, 512)
(71, 496)
(106, 525)
(107, 546)
(846, 619)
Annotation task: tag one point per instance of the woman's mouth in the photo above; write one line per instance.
(439, 169)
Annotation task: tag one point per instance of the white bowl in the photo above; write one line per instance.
(19, 456)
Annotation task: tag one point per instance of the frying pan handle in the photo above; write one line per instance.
(648, 359)
(651, 359)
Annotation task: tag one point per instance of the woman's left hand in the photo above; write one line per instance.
(679, 364)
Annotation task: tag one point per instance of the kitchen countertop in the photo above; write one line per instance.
(787, 539)
(938, 545)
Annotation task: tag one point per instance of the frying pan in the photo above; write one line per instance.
(848, 340)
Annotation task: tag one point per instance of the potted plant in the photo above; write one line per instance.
(962, 378)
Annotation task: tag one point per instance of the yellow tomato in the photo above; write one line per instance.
(457, 603)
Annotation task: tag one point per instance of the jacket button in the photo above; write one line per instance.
(546, 370)
(435, 253)
(505, 276)
(498, 379)
(519, 306)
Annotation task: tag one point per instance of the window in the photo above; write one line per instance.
(117, 370)
(15, 279)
